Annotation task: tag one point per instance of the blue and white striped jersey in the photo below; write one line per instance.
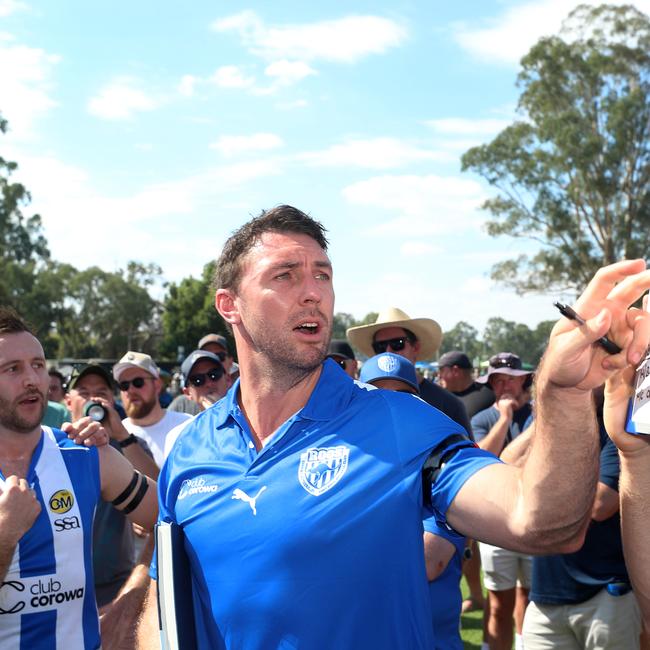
(47, 599)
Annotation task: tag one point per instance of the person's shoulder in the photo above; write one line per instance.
(66, 445)
(485, 415)
(174, 418)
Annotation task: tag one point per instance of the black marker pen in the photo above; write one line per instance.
(609, 346)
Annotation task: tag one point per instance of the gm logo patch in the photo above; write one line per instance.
(61, 501)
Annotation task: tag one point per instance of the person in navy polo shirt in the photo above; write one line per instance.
(300, 493)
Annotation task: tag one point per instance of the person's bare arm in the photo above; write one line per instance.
(545, 505)
(496, 437)
(633, 486)
(606, 503)
(517, 451)
(19, 509)
(119, 620)
(437, 553)
(116, 475)
(148, 634)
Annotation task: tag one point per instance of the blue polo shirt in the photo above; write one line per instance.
(444, 591)
(315, 541)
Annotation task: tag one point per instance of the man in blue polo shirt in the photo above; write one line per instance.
(300, 493)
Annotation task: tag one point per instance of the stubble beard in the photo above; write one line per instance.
(139, 410)
(12, 421)
(287, 361)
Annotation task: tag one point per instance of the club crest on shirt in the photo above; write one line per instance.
(321, 468)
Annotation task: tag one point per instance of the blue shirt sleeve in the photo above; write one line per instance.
(483, 421)
(164, 513)
(460, 467)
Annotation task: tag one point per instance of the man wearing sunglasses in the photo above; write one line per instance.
(415, 339)
(204, 383)
(138, 378)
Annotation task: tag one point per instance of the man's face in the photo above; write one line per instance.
(24, 383)
(409, 351)
(221, 352)
(89, 387)
(55, 392)
(396, 385)
(507, 386)
(446, 375)
(210, 389)
(139, 402)
(285, 301)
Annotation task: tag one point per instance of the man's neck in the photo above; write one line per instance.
(154, 416)
(16, 450)
(267, 401)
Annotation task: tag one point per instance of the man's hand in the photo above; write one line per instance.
(506, 407)
(86, 432)
(573, 359)
(206, 401)
(618, 391)
(19, 508)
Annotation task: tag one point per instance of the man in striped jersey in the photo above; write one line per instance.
(49, 487)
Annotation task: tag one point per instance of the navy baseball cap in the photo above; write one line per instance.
(340, 348)
(197, 355)
(389, 366)
(454, 358)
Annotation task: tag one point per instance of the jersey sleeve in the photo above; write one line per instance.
(459, 467)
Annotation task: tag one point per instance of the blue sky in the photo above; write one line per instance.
(150, 130)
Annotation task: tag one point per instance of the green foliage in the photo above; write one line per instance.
(343, 322)
(462, 336)
(499, 335)
(574, 173)
(189, 314)
(107, 314)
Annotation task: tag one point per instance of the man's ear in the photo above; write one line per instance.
(186, 391)
(417, 346)
(225, 303)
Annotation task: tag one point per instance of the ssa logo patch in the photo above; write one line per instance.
(321, 468)
(61, 501)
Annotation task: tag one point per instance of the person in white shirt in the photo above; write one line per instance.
(138, 377)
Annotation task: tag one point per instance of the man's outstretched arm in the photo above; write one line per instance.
(545, 505)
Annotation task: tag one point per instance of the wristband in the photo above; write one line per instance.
(127, 441)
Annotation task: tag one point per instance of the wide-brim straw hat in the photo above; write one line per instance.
(426, 330)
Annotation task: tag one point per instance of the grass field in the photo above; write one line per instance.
(471, 625)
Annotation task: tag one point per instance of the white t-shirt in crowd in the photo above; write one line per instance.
(155, 434)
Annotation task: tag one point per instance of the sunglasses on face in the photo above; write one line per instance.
(138, 382)
(397, 344)
(200, 378)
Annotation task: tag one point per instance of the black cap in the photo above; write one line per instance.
(340, 348)
(454, 358)
(90, 369)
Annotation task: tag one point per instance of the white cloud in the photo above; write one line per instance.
(345, 40)
(427, 205)
(286, 73)
(187, 85)
(375, 153)
(464, 126)
(121, 99)
(231, 76)
(506, 38)
(25, 85)
(8, 7)
(231, 145)
(128, 226)
(289, 106)
(418, 248)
